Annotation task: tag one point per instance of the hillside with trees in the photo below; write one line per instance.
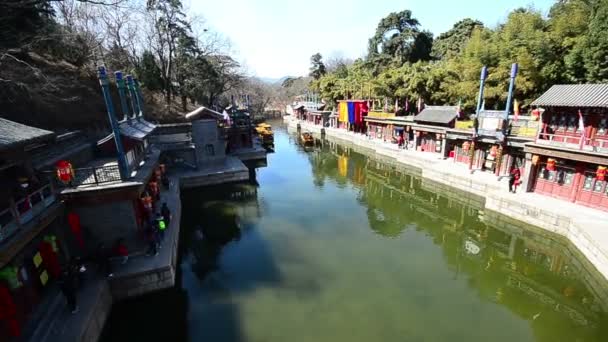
(404, 61)
(50, 50)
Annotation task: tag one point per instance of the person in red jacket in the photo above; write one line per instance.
(514, 179)
(120, 250)
(8, 313)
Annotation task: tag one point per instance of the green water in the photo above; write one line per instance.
(331, 245)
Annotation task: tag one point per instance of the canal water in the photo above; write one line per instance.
(327, 244)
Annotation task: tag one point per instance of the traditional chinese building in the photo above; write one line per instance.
(35, 242)
(482, 141)
(569, 156)
(387, 126)
(431, 126)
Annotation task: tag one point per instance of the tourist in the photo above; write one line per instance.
(166, 213)
(514, 177)
(121, 251)
(151, 236)
(102, 259)
(67, 283)
(78, 269)
(401, 141)
(161, 226)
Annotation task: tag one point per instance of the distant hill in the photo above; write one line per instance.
(271, 80)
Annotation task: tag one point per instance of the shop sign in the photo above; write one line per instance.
(37, 259)
(44, 278)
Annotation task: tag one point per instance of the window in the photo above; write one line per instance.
(598, 186)
(562, 123)
(588, 184)
(572, 123)
(603, 126)
(568, 177)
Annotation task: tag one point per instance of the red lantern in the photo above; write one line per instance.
(493, 151)
(600, 175)
(551, 164)
(65, 172)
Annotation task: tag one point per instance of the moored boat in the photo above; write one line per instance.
(307, 139)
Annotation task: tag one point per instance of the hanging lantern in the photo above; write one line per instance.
(438, 136)
(493, 151)
(466, 145)
(551, 164)
(600, 174)
(65, 172)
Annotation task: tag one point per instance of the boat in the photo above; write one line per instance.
(265, 133)
(307, 139)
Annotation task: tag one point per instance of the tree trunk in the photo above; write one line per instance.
(184, 103)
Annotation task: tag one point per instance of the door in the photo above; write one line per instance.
(593, 192)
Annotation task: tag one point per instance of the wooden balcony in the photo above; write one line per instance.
(581, 143)
(25, 210)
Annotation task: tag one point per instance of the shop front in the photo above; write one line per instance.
(569, 179)
(429, 139)
(380, 131)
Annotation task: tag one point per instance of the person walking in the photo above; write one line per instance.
(120, 250)
(67, 283)
(161, 226)
(166, 213)
(514, 177)
(152, 239)
(102, 259)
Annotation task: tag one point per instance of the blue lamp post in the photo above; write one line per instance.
(120, 84)
(105, 88)
(134, 98)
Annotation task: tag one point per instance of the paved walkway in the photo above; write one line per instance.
(585, 227)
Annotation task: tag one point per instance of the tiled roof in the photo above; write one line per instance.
(136, 129)
(574, 95)
(437, 114)
(13, 134)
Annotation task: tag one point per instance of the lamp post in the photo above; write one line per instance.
(105, 88)
(482, 83)
(502, 135)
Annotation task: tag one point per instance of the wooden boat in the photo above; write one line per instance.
(307, 139)
(265, 133)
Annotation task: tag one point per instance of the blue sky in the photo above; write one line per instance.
(275, 38)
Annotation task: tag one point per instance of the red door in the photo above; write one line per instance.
(558, 183)
(593, 192)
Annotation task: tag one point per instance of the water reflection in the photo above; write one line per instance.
(536, 275)
(331, 245)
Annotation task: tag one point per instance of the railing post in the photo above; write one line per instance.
(95, 176)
